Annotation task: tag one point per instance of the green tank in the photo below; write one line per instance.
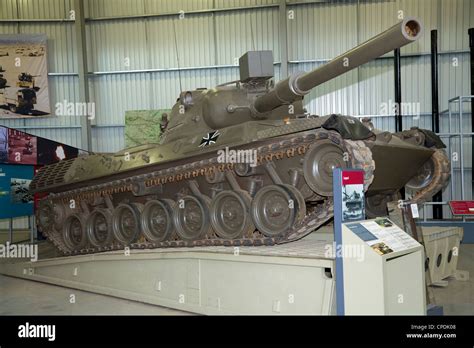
(239, 164)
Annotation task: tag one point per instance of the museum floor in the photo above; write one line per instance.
(24, 297)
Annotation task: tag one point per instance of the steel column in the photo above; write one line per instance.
(438, 197)
(283, 40)
(398, 99)
(471, 47)
(79, 24)
(10, 230)
(398, 91)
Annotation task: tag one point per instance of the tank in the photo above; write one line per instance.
(239, 164)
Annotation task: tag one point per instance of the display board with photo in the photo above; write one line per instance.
(15, 198)
(353, 206)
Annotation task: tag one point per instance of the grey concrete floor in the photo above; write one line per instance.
(26, 297)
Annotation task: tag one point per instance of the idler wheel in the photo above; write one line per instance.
(45, 215)
(191, 217)
(423, 176)
(157, 220)
(277, 208)
(99, 227)
(318, 164)
(59, 215)
(230, 215)
(74, 232)
(51, 215)
(126, 223)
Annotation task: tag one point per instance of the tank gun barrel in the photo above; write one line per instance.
(300, 84)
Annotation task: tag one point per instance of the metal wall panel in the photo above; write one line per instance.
(321, 31)
(416, 82)
(44, 9)
(166, 6)
(238, 32)
(8, 28)
(376, 85)
(115, 94)
(116, 45)
(110, 8)
(108, 139)
(457, 16)
(454, 76)
(192, 37)
(8, 9)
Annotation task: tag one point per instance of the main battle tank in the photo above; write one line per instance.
(239, 164)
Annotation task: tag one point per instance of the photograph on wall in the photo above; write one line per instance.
(23, 76)
(3, 144)
(22, 147)
(51, 152)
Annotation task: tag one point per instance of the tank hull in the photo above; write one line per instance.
(204, 197)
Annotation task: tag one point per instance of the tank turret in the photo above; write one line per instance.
(254, 97)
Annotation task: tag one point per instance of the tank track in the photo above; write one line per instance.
(273, 151)
(442, 173)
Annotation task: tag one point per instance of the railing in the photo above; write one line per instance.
(452, 135)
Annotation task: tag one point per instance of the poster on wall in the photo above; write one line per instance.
(23, 76)
(144, 126)
(15, 198)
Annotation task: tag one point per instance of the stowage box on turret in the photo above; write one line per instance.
(239, 164)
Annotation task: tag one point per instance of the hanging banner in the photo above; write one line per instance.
(17, 147)
(23, 76)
